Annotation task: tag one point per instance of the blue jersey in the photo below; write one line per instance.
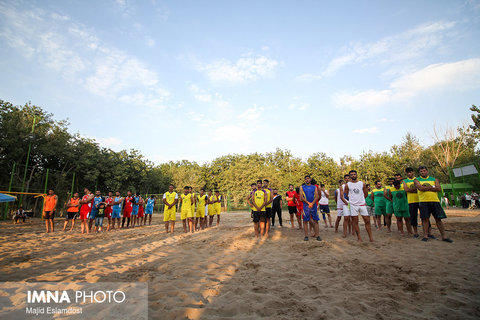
(150, 203)
(309, 193)
(137, 199)
(119, 205)
(96, 201)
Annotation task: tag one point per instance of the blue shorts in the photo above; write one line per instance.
(116, 213)
(149, 210)
(93, 214)
(135, 210)
(310, 212)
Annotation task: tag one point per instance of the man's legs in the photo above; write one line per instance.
(329, 220)
(346, 223)
(184, 222)
(191, 225)
(400, 225)
(255, 229)
(389, 221)
(337, 222)
(218, 219)
(426, 227)
(368, 227)
(355, 227)
(291, 220)
(279, 212)
(273, 217)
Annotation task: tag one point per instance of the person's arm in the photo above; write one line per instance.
(372, 197)
(335, 194)
(420, 187)
(265, 199)
(407, 189)
(270, 199)
(69, 204)
(315, 199)
(326, 193)
(287, 197)
(301, 194)
(437, 187)
(192, 200)
(280, 201)
(386, 194)
(365, 191)
(343, 193)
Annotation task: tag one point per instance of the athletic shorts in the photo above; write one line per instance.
(345, 211)
(116, 212)
(134, 211)
(211, 211)
(358, 210)
(389, 207)
(402, 214)
(218, 210)
(149, 210)
(371, 211)
(71, 215)
(93, 214)
(340, 212)
(127, 214)
(268, 212)
(324, 208)
(310, 213)
(413, 209)
(48, 214)
(380, 211)
(184, 214)
(169, 214)
(259, 216)
(292, 209)
(84, 215)
(200, 212)
(140, 214)
(433, 208)
(108, 215)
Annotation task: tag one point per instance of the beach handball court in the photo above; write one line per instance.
(225, 272)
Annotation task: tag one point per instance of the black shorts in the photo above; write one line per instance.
(433, 208)
(259, 216)
(72, 215)
(49, 215)
(268, 212)
(413, 209)
(292, 210)
(324, 208)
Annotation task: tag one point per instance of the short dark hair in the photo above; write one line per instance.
(266, 180)
(290, 185)
(346, 175)
(171, 185)
(152, 196)
(217, 191)
(367, 185)
(377, 181)
(253, 184)
(186, 187)
(307, 176)
(396, 183)
(138, 193)
(259, 181)
(408, 169)
(314, 181)
(398, 174)
(51, 189)
(352, 171)
(322, 185)
(422, 167)
(202, 189)
(340, 181)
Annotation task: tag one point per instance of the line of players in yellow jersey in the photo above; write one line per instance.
(197, 211)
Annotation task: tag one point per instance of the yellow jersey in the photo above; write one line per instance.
(170, 198)
(412, 197)
(259, 198)
(201, 201)
(186, 202)
(269, 197)
(427, 196)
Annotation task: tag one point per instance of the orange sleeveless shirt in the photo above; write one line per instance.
(74, 202)
(50, 203)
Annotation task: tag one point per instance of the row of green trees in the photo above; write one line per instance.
(54, 148)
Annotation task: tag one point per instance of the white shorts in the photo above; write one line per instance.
(355, 210)
(206, 211)
(343, 212)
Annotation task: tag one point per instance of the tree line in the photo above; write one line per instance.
(64, 154)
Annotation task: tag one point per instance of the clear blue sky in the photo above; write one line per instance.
(199, 79)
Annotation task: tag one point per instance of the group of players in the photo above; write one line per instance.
(197, 210)
(402, 197)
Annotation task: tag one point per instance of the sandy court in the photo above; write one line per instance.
(224, 272)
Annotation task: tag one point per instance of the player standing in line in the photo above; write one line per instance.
(117, 210)
(309, 196)
(291, 196)
(251, 199)
(135, 202)
(200, 216)
(210, 207)
(268, 205)
(370, 205)
(324, 208)
(379, 200)
(49, 207)
(109, 209)
(347, 222)
(141, 210)
(299, 205)
(218, 206)
(85, 209)
(339, 202)
(259, 214)
(356, 191)
(428, 188)
(277, 207)
(170, 199)
(389, 204)
(72, 211)
(96, 201)
(412, 197)
(186, 203)
(400, 206)
(128, 208)
(151, 202)
(190, 189)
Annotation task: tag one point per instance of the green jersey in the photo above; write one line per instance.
(380, 200)
(368, 200)
(399, 199)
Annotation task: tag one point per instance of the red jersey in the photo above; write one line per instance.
(298, 203)
(128, 204)
(108, 209)
(291, 194)
(86, 207)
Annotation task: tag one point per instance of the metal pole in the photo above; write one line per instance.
(9, 189)
(28, 158)
(45, 190)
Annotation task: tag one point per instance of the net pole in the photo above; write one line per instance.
(5, 213)
(73, 181)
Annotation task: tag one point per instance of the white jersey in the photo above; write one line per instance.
(355, 193)
(339, 200)
(323, 198)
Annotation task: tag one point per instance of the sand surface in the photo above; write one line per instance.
(224, 272)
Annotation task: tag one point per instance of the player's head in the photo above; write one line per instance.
(137, 194)
(308, 179)
(51, 191)
(152, 196)
(322, 185)
(117, 193)
(368, 186)
(340, 182)
(86, 190)
(75, 195)
(290, 187)
(297, 189)
(398, 176)
(410, 172)
(209, 191)
(186, 189)
(253, 186)
(423, 171)
(275, 191)
(217, 192)
(101, 206)
(110, 193)
(396, 184)
(129, 193)
(265, 182)
(378, 184)
(259, 184)
(98, 193)
(190, 189)
(353, 175)
(170, 188)
(202, 191)
(313, 181)
(346, 178)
